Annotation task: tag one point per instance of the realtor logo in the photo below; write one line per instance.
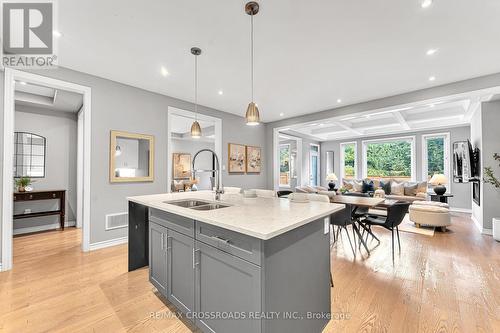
(27, 28)
(27, 34)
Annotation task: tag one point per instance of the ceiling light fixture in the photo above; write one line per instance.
(426, 3)
(432, 78)
(431, 51)
(252, 115)
(195, 127)
(339, 101)
(281, 114)
(56, 34)
(163, 71)
(221, 92)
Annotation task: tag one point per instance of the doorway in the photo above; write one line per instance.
(82, 116)
(314, 163)
(182, 148)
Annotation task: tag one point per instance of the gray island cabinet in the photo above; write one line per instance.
(228, 281)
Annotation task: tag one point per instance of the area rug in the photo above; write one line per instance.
(409, 226)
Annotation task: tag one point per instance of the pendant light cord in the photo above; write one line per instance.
(251, 55)
(196, 88)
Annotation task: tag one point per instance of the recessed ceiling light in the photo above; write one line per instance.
(432, 78)
(339, 101)
(432, 105)
(281, 114)
(321, 125)
(56, 33)
(221, 92)
(163, 71)
(431, 51)
(426, 3)
(22, 82)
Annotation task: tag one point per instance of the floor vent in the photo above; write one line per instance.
(116, 221)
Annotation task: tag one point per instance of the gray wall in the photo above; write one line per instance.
(462, 192)
(121, 107)
(477, 141)
(490, 119)
(203, 161)
(60, 131)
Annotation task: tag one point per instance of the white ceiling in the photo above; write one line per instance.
(30, 95)
(444, 112)
(180, 126)
(308, 54)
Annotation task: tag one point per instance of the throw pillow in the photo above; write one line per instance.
(347, 184)
(309, 189)
(397, 188)
(410, 189)
(422, 187)
(357, 186)
(367, 186)
(386, 186)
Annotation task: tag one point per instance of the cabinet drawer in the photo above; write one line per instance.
(242, 246)
(175, 222)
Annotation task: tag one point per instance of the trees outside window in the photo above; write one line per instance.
(348, 160)
(435, 155)
(285, 165)
(390, 158)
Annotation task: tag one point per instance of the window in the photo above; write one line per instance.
(285, 165)
(389, 158)
(314, 165)
(435, 155)
(348, 160)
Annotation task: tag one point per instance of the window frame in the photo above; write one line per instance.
(318, 166)
(411, 139)
(447, 160)
(289, 165)
(342, 159)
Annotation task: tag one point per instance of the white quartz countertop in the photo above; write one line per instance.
(263, 218)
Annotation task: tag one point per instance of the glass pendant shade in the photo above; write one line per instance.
(252, 116)
(196, 130)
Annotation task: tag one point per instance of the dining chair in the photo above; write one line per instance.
(342, 219)
(283, 193)
(265, 193)
(395, 215)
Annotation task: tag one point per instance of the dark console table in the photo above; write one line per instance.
(440, 198)
(43, 195)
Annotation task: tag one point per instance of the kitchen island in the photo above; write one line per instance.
(238, 264)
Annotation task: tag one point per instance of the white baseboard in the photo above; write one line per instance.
(108, 243)
(482, 230)
(461, 210)
(488, 232)
(44, 227)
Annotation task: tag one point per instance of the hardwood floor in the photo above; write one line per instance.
(446, 283)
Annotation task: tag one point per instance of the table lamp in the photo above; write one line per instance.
(439, 180)
(331, 177)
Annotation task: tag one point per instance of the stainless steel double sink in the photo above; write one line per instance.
(197, 204)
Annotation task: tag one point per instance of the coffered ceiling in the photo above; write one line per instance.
(309, 55)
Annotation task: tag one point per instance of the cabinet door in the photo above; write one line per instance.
(138, 246)
(226, 285)
(158, 257)
(180, 251)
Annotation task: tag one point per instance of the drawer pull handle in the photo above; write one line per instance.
(31, 196)
(53, 195)
(222, 240)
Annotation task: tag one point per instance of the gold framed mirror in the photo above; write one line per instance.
(131, 157)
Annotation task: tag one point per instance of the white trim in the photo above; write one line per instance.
(276, 159)
(11, 75)
(410, 138)
(108, 243)
(461, 210)
(0, 267)
(79, 171)
(342, 160)
(447, 152)
(107, 216)
(173, 111)
(44, 227)
(488, 232)
(289, 166)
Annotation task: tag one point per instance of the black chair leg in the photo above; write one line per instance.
(392, 231)
(331, 280)
(399, 244)
(333, 232)
(349, 238)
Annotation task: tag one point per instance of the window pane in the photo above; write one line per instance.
(349, 161)
(435, 156)
(285, 165)
(389, 159)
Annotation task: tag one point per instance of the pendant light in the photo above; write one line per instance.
(252, 116)
(195, 127)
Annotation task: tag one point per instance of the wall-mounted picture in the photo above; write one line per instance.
(182, 165)
(236, 158)
(254, 159)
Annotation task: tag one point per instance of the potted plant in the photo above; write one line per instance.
(489, 178)
(21, 183)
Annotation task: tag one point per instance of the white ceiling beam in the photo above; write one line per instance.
(473, 106)
(402, 121)
(347, 128)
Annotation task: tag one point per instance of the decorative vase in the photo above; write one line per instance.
(21, 189)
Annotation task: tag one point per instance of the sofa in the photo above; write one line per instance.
(435, 214)
(394, 189)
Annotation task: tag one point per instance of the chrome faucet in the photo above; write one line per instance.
(219, 189)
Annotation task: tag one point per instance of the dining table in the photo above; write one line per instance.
(352, 203)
